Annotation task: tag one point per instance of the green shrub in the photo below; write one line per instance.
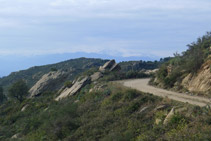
(130, 95)
(18, 90)
(116, 97)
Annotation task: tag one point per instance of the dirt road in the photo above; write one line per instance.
(142, 85)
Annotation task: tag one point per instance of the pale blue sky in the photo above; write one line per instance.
(115, 28)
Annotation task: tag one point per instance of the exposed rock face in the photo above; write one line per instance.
(80, 83)
(109, 66)
(48, 81)
(201, 82)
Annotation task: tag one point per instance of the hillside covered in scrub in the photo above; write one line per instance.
(73, 68)
(81, 100)
(92, 108)
(189, 71)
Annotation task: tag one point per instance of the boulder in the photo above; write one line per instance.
(109, 66)
(80, 83)
(49, 81)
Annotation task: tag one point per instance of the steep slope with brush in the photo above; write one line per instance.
(189, 71)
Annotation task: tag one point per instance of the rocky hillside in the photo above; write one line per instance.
(71, 67)
(69, 70)
(189, 71)
(200, 82)
(91, 109)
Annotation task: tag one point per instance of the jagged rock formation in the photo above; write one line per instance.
(48, 81)
(109, 66)
(200, 82)
(80, 83)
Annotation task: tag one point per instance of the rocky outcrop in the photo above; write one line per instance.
(109, 66)
(200, 82)
(48, 81)
(80, 83)
(169, 116)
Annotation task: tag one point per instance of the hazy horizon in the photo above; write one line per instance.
(31, 61)
(43, 32)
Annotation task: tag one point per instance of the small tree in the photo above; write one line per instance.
(18, 90)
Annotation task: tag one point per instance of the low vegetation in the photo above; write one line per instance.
(113, 113)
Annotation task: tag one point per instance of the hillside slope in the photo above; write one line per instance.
(109, 113)
(95, 109)
(189, 71)
(74, 67)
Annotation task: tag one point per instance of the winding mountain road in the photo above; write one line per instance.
(142, 85)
